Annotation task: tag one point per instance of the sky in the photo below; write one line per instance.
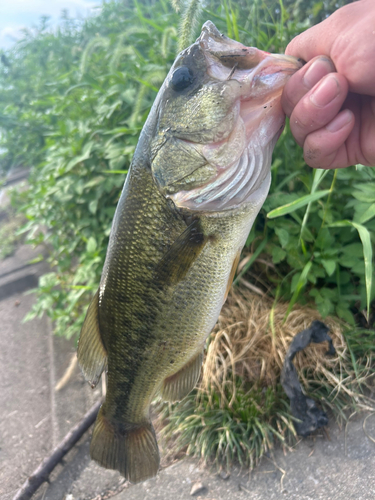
(17, 14)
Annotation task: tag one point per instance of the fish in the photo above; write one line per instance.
(198, 178)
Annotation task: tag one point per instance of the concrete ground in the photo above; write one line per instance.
(338, 467)
(318, 468)
(339, 464)
(33, 416)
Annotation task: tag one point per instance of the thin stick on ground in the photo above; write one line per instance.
(364, 428)
(41, 474)
(68, 373)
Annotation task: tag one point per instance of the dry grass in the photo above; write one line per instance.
(251, 339)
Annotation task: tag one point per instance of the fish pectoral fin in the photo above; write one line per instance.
(131, 449)
(175, 264)
(178, 385)
(92, 356)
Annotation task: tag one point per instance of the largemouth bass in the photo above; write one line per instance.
(198, 178)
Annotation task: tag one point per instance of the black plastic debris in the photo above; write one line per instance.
(309, 416)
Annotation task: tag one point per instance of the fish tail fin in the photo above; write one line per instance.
(132, 450)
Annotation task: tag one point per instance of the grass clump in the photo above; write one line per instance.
(220, 428)
(239, 411)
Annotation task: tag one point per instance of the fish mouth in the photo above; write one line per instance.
(241, 159)
(223, 54)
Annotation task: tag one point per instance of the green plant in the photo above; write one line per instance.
(209, 428)
(90, 104)
(321, 245)
(9, 236)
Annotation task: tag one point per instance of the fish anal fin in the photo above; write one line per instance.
(177, 261)
(92, 356)
(178, 385)
(131, 449)
(232, 273)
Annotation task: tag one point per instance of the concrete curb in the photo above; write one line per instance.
(33, 416)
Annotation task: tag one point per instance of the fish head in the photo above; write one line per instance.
(219, 117)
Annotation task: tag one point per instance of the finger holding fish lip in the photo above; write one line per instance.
(304, 80)
(319, 106)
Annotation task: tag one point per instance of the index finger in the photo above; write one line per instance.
(304, 80)
(311, 43)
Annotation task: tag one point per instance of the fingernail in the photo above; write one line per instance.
(325, 92)
(340, 121)
(321, 67)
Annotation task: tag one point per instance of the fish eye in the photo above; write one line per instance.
(182, 77)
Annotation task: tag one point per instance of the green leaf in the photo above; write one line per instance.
(146, 84)
(325, 308)
(353, 250)
(344, 313)
(365, 216)
(115, 172)
(317, 7)
(91, 245)
(86, 151)
(83, 287)
(319, 175)
(367, 254)
(93, 205)
(278, 254)
(252, 260)
(301, 282)
(366, 197)
(366, 192)
(329, 266)
(324, 239)
(37, 259)
(295, 205)
(294, 282)
(283, 236)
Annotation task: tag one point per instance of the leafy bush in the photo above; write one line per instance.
(72, 104)
(89, 108)
(323, 240)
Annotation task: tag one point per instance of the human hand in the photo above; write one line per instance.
(331, 100)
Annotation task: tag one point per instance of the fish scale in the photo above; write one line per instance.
(173, 248)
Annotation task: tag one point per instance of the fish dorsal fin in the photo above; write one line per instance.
(92, 356)
(175, 264)
(178, 385)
